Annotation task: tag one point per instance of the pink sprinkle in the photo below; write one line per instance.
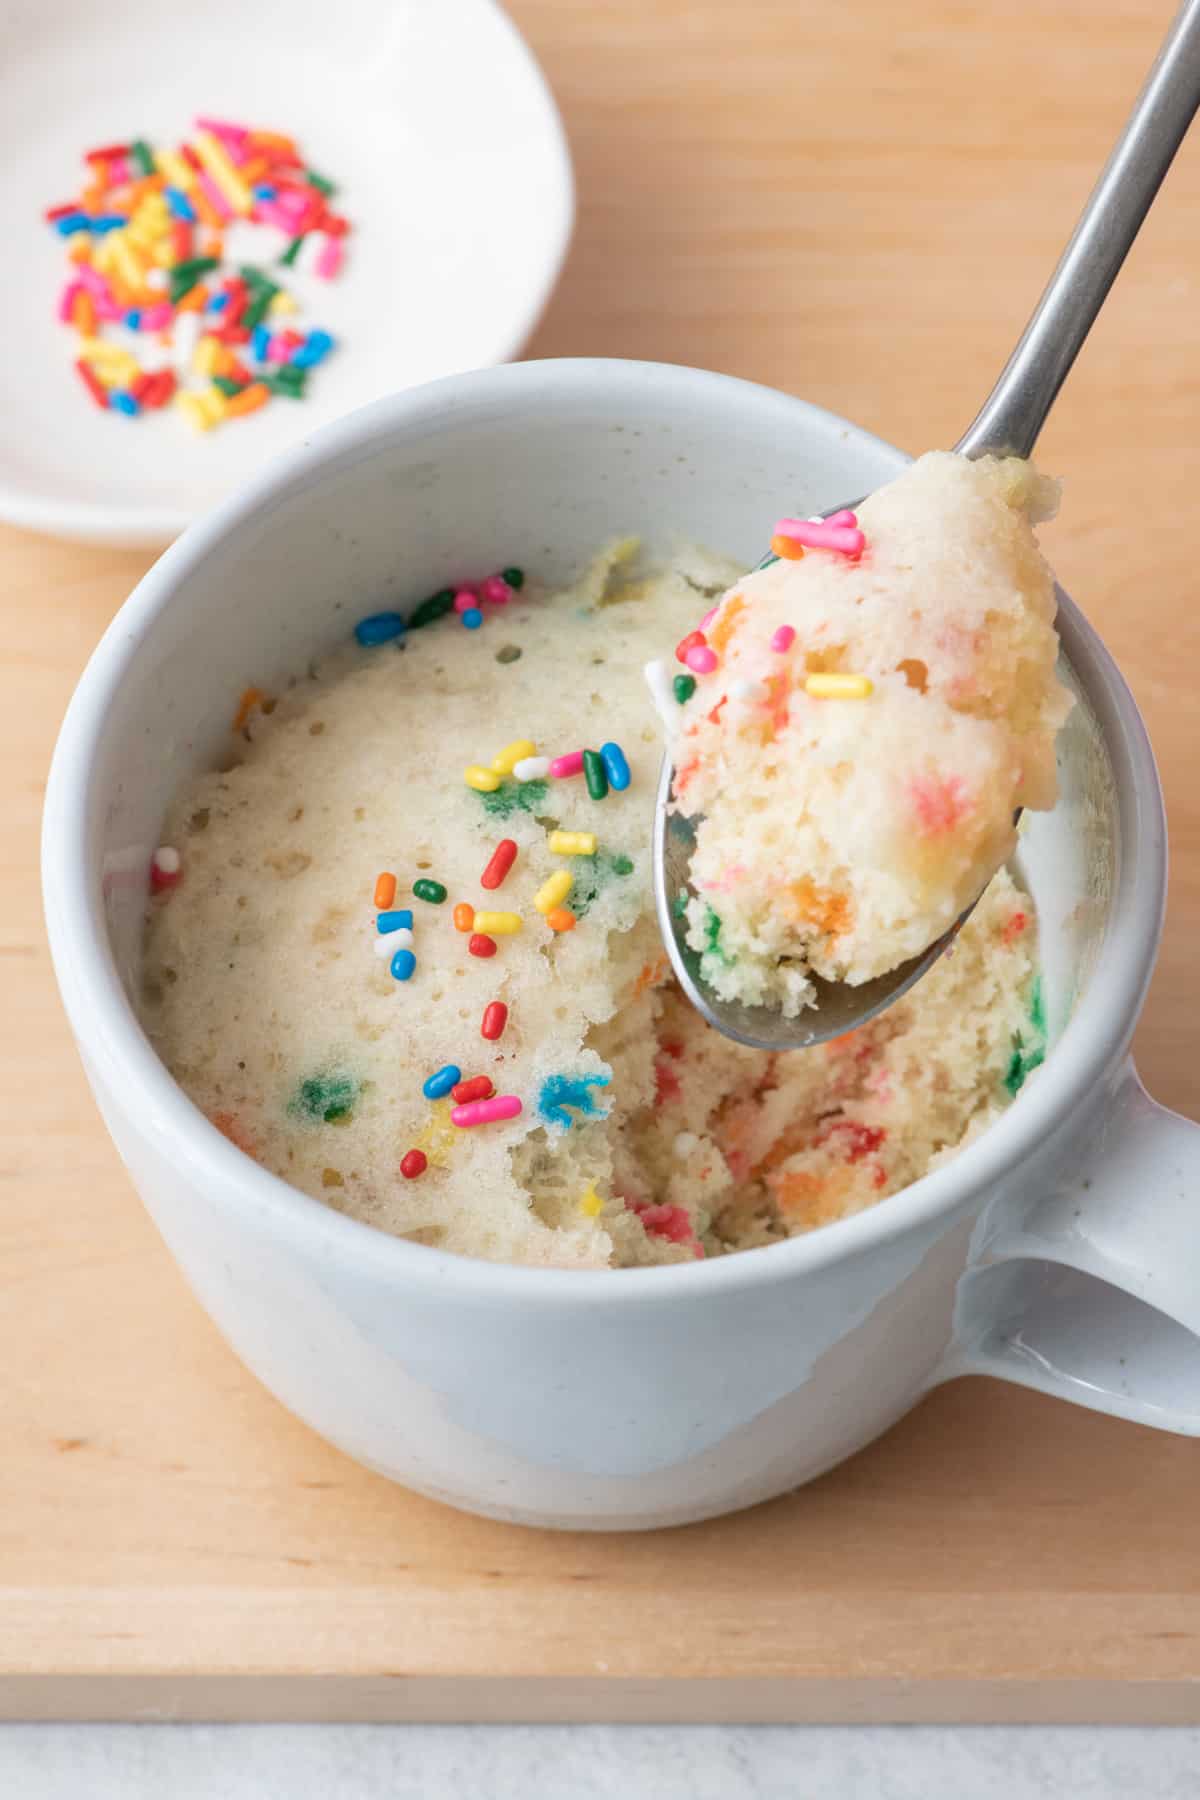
(67, 299)
(824, 535)
(484, 1112)
(940, 805)
(277, 348)
(708, 618)
(220, 128)
(119, 171)
(108, 308)
(845, 517)
(465, 599)
(701, 659)
(271, 213)
(670, 1222)
(570, 764)
(292, 204)
(213, 193)
(158, 316)
(330, 259)
(497, 590)
(783, 639)
(93, 281)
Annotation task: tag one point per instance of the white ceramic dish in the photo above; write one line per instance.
(1061, 1250)
(437, 125)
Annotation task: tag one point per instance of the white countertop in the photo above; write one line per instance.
(632, 1762)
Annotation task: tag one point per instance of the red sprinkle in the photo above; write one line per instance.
(480, 945)
(414, 1163)
(693, 641)
(479, 1087)
(60, 212)
(495, 1018)
(502, 859)
(1014, 928)
(106, 153)
(94, 385)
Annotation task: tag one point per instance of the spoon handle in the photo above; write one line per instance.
(1015, 411)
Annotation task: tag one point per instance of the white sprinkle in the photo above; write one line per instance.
(168, 860)
(685, 1143)
(157, 279)
(532, 768)
(185, 335)
(400, 939)
(748, 690)
(658, 680)
(384, 946)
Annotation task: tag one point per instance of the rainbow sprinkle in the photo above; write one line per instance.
(159, 287)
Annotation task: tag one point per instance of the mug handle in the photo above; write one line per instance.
(1092, 1291)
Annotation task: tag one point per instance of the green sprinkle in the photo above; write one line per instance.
(139, 150)
(228, 385)
(320, 182)
(1037, 1007)
(514, 577)
(622, 865)
(253, 277)
(679, 905)
(594, 775)
(685, 687)
(436, 607)
(508, 653)
(433, 891)
(256, 312)
(194, 266)
(592, 876)
(326, 1099)
(517, 796)
(293, 250)
(285, 381)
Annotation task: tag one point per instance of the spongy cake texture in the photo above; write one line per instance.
(644, 1137)
(842, 836)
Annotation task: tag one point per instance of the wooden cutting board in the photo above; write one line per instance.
(862, 211)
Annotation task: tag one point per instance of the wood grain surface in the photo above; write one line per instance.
(858, 203)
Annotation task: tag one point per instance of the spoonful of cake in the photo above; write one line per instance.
(854, 728)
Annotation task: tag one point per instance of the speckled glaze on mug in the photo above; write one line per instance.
(1059, 1251)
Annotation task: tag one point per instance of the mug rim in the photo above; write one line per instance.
(111, 1037)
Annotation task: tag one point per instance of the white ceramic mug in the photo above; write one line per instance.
(1061, 1250)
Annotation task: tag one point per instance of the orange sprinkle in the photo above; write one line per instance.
(273, 140)
(829, 912)
(81, 249)
(146, 184)
(385, 890)
(83, 313)
(651, 974)
(1014, 928)
(248, 401)
(251, 698)
(195, 300)
(786, 549)
(255, 170)
(725, 624)
(464, 916)
(205, 207)
(230, 1126)
(561, 919)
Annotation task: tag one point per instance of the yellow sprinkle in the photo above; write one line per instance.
(839, 687)
(178, 172)
(204, 356)
(573, 843)
(481, 779)
(212, 155)
(552, 893)
(590, 1201)
(512, 754)
(439, 1136)
(192, 410)
(213, 403)
(497, 924)
(114, 366)
(128, 266)
(282, 303)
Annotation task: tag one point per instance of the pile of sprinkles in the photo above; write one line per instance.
(163, 289)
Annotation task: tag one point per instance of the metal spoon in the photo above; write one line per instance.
(1007, 424)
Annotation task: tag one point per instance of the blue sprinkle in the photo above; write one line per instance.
(393, 921)
(380, 628)
(264, 191)
(560, 1091)
(103, 222)
(124, 403)
(218, 303)
(615, 766)
(70, 223)
(472, 618)
(440, 1083)
(133, 318)
(315, 349)
(403, 964)
(260, 337)
(179, 205)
